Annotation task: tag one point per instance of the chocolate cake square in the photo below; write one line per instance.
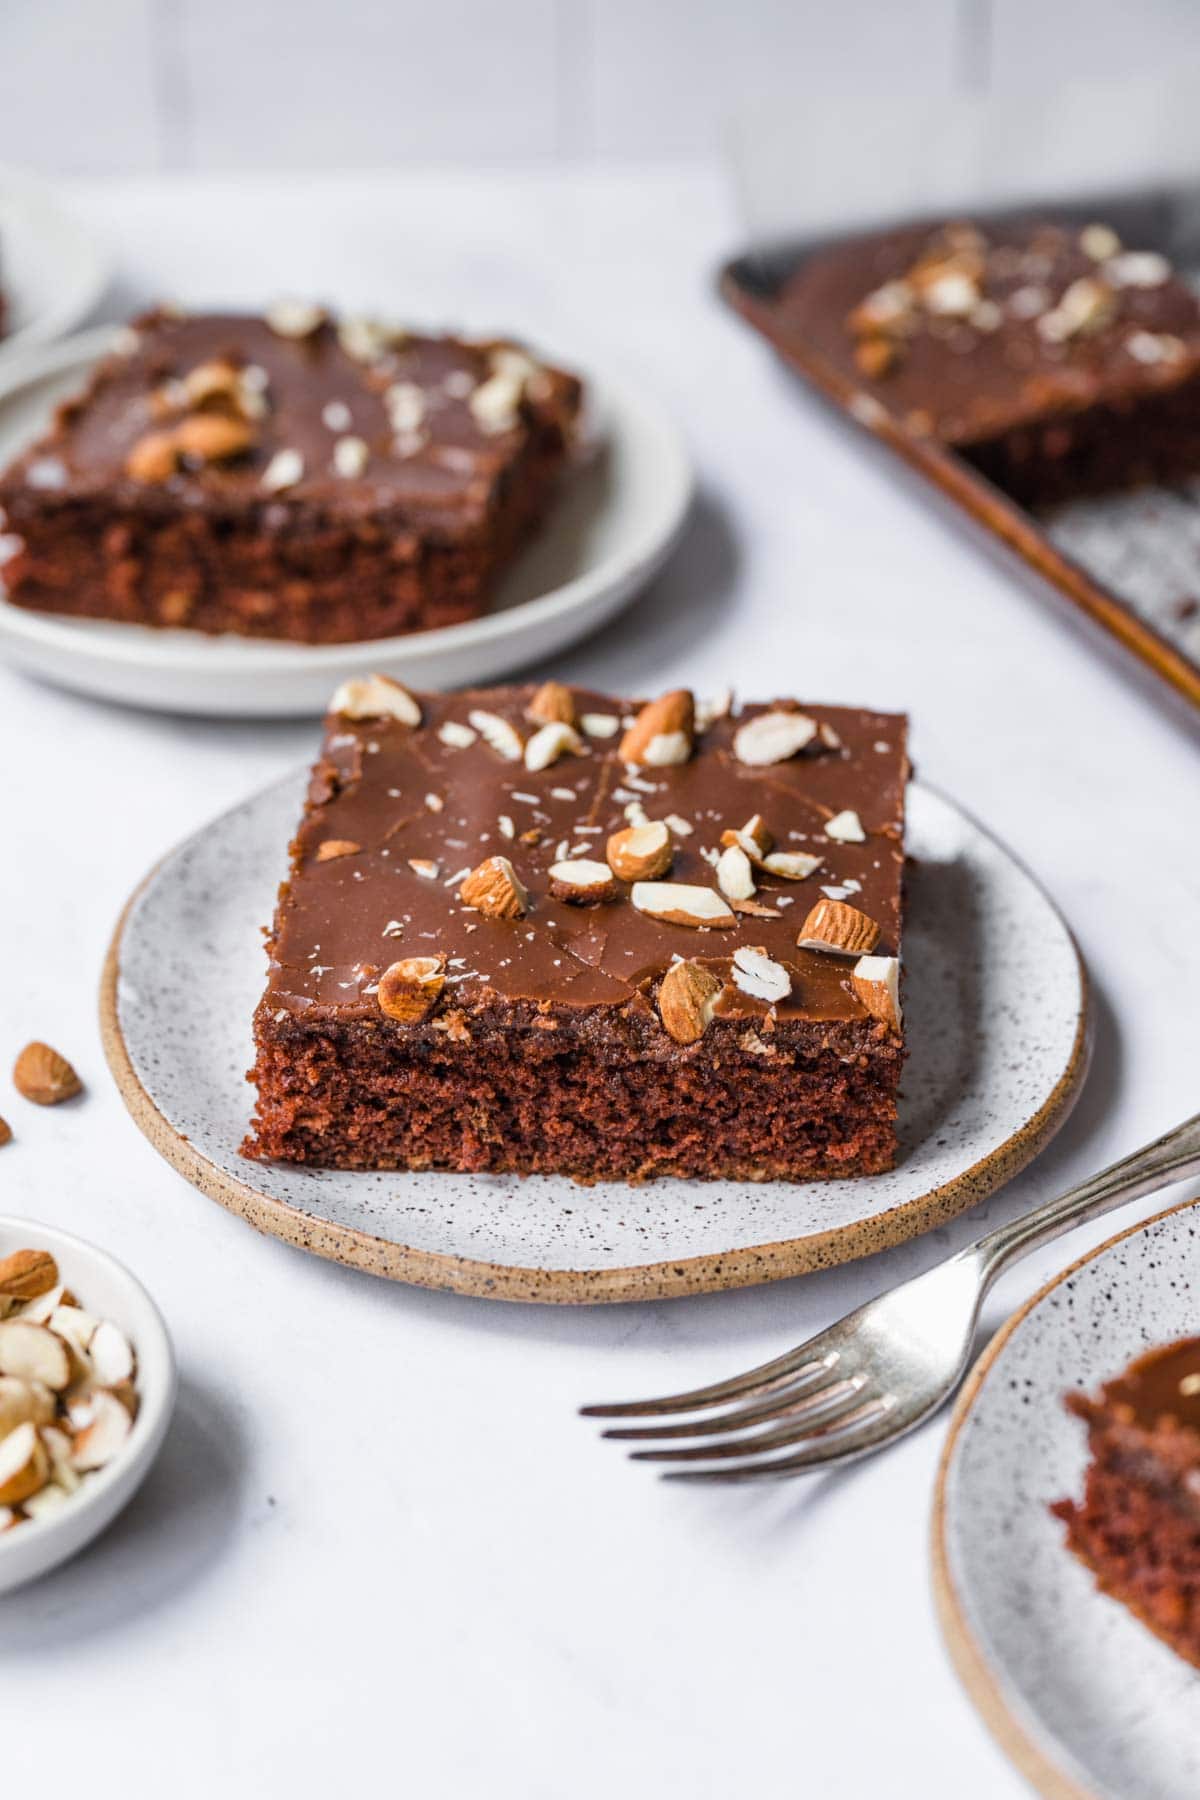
(289, 476)
(544, 931)
(1138, 1525)
(1054, 358)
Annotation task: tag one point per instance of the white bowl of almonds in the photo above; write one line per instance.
(87, 1385)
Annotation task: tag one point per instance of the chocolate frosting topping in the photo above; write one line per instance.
(397, 794)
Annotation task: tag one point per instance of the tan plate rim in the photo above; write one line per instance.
(745, 1267)
(983, 1684)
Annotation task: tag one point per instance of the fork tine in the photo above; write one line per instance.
(795, 1432)
(783, 1402)
(837, 1448)
(800, 1363)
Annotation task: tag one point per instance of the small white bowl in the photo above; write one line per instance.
(105, 1287)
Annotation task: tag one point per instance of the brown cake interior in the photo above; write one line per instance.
(1137, 1526)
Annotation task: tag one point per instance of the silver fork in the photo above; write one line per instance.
(880, 1371)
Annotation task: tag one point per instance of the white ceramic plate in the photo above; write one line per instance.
(106, 1288)
(1087, 1701)
(51, 272)
(611, 528)
(995, 1005)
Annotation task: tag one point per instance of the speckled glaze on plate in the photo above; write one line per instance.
(996, 1021)
(1088, 1703)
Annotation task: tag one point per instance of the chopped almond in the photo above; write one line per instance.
(686, 999)
(839, 929)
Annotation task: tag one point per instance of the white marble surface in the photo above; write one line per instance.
(380, 1552)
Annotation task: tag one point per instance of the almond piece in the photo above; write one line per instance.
(45, 1077)
(549, 743)
(106, 1430)
(295, 318)
(553, 704)
(409, 989)
(27, 1273)
(216, 380)
(773, 737)
(455, 735)
(34, 1353)
(735, 876)
(840, 929)
(663, 732)
(111, 1354)
(876, 981)
(504, 739)
(876, 356)
(59, 1447)
(686, 1000)
(600, 725)
(756, 974)
(495, 890)
(753, 837)
(791, 865)
(580, 882)
(640, 852)
(329, 848)
(376, 697)
(45, 1502)
(24, 1465)
(846, 828)
(212, 437)
(155, 457)
(24, 1402)
(283, 471)
(677, 903)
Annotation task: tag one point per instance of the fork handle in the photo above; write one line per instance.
(1172, 1157)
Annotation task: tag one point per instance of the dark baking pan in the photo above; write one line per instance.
(1131, 561)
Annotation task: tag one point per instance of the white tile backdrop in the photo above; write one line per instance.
(137, 85)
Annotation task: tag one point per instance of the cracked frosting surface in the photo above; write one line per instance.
(396, 793)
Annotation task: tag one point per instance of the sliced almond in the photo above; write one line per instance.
(42, 1310)
(330, 848)
(753, 910)
(111, 1355)
(677, 903)
(376, 697)
(213, 437)
(155, 457)
(24, 1465)
(45, 1077)
(283, 471)
(33, 1353)
(581, 882)
(76, 1327)
(59, 1447)
(791, 865)
(773, 737)
(495, 890)
(840, 929)
(23, 1402)
(663, 732)
(549, 743)
(553, 704)
(686, 1000)
(455, 735)
(600, 725)
(27, 1273)
(105, 1433)
(758, 975)
(876, 981)
(754, 838)
(846, 828)
(295, 318)
(46, 1501)
(409, 989)
(640, 852)
(735, 875)
(709, 711)
(503, 737)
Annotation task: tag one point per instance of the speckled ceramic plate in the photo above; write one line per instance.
(996, 1009)
(1089, 1704)
(610, 530)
